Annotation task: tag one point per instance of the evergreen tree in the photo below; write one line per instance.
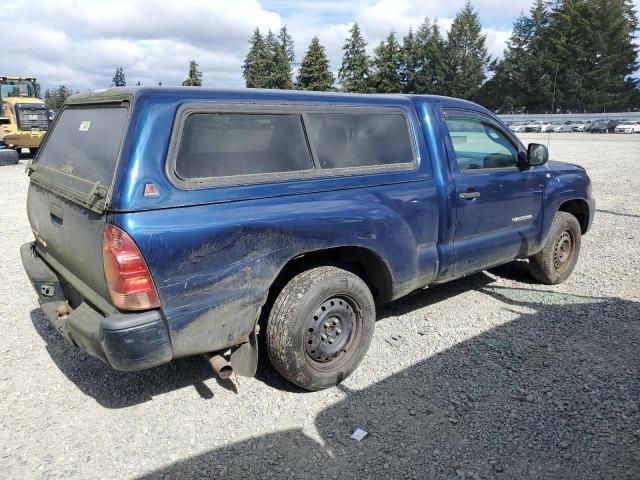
(466, 54)
(314, 70)
(119, 80)
(430, 60)
(194, 79)
(285, 59)
(567, 43)
(268, 63)
(277, 69)
(255, 63)
(523, 79)
(286, 41)
(410, 62)
(354, 72)
(56, 97)
(589, 43)
(611, 55)
(272, 49)
(387, 63)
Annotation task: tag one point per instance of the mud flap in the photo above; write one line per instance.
(244, 359)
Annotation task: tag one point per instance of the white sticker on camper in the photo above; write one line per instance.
(85, 126)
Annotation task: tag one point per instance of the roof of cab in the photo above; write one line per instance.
(115, 94)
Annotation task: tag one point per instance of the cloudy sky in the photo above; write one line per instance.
(79, 43)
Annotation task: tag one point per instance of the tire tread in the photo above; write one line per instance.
(283, 319)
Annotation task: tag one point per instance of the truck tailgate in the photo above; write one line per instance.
(69, 238)
(66, 203)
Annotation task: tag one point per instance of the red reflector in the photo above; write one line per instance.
(150, 190)
(130, 284)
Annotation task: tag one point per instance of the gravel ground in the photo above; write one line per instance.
(492, 376)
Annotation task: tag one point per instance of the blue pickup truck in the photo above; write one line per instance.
(169, 221)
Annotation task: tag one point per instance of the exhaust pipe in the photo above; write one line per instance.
(220, 366)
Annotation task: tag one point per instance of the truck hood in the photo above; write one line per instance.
(556, 166)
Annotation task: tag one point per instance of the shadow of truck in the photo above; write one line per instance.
(552, 394)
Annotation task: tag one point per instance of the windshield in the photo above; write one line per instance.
(626, 123)
(17, 88)
(85, 142)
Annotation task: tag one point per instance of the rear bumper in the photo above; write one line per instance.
(23, 139)
(126, 341)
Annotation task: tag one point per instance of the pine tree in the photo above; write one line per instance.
(410, 63)
(387, 62)
(272, 50)
(277, 69)
(285, 59)
(254, 68)
(119, 79)
(430, 60)
(194, 79)
(286, 41)
(466, 54)
(314, 70)
(611, 55)
(523, 79)
(56, 97)
(354, 72)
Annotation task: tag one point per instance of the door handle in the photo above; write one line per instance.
(469, 195)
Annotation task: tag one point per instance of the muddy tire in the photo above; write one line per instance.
(320, 327)
(555, 262)
(8, 156)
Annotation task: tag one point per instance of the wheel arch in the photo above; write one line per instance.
(361, 261)
(579, 209)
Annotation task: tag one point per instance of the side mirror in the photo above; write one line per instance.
(537, 154)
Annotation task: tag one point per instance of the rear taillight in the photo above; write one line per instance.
(128, 278)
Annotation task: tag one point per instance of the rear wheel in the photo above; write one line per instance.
(320, 327)
(8, 156)
(555, 262)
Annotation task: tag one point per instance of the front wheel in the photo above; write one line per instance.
(555, 262)
(320, 327)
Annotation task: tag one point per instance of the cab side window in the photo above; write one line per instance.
(479, 145)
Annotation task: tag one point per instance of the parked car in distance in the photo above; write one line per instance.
(537, 126)
(518, 126)
(591, 123)
(168, 221)
(628, 126)
(581, 125)
(560, 126)
(604, 126)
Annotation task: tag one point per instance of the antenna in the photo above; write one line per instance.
(553, 105)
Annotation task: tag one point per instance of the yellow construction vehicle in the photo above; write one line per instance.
(24, 118)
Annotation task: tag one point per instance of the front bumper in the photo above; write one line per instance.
(126, 341)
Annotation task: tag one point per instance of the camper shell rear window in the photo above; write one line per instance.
(78, 158)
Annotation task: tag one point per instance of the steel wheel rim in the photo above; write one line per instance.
(332, 331)
(563, 250)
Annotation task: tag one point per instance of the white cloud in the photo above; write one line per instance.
(80, 44)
